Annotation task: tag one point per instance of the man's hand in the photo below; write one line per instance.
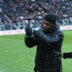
(28, 31)
(37, 31)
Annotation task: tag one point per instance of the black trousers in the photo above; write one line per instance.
(35, 70)
(57, 70)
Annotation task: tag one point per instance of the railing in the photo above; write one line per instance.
(18, 28)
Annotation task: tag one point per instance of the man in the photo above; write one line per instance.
(49, 40)
(67, 55)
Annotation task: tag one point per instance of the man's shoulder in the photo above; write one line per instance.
(59, 32)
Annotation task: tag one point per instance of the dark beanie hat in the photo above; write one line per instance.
(51, 18)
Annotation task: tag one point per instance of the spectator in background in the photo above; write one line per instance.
(17, 8)
(49, 40)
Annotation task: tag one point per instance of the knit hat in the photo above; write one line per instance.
(51, 18)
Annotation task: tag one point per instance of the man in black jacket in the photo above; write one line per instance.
(49, 40)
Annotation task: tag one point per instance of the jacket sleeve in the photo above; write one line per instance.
(67, 55)
(48, 39)
(30, 41)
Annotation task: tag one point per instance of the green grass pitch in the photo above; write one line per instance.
(16, 57)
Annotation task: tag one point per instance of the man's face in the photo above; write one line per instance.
(46, 25)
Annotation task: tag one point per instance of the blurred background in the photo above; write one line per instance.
(13, 12)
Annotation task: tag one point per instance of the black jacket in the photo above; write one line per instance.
(67, 55)
(49, 45)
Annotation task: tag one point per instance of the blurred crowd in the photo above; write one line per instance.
(14, 11)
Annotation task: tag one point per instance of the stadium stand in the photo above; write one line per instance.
(13, 12)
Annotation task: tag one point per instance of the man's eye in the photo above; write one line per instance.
(45, 23)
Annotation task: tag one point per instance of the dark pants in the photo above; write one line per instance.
(35, 70)
(59, 70)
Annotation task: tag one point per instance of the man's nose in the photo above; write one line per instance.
(44, 25)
